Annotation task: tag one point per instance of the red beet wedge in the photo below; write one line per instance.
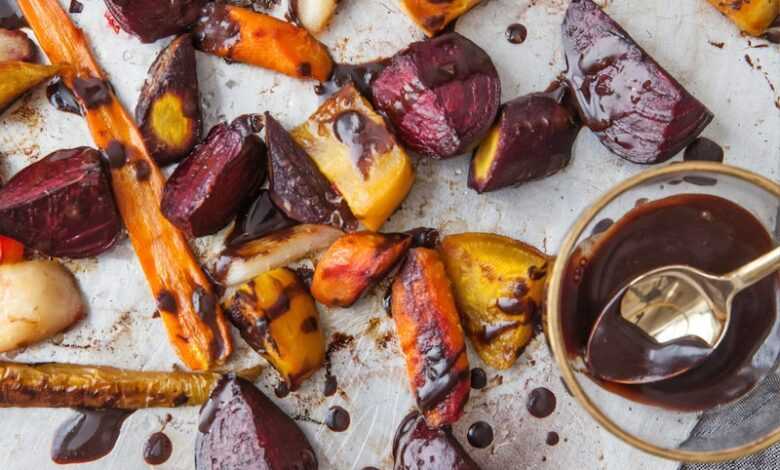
(151, 20)
(62, 205)
(635, 107)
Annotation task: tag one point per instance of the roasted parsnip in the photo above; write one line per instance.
(431, 337)
(278, 318)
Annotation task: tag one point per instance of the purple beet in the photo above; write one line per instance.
(207, 190)
(634, 106)
(240, 428)
(151, 20)
(62, 205)
(441, 95)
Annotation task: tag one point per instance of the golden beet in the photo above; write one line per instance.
(433, 16)
(498, 284)
(751, 17)
(278, 318)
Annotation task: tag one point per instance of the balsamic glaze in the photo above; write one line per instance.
(337, 419)
(11, 16)
(416, 446)
(703, 150)
(88, 436)
(541, 402)
(158, 449)
(93, 91)
(478, 378)
(360, 74)
(62, 97)
(516, 33)
(424, 237)
(331, 385)
(552, 438)
(116, 156)
(259, 219)
(75, 6)
(364, 137)
(480, 435)
(282, 390)
(441, 376)
(387, 300)
(602, 226)
(142, 170)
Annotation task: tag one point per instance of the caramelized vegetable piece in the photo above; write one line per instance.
(354, 263)
(354, 150)
(17, 78)
(11, 251)
(168, 110)
(77, 386)
(240, 428)
(240, 264)
(441, 95)
(314, 15)
(200, 334)
(532, 139)
(752, 17)
(62, 205)
(498, 284)
(431, 337)
(298, 187)
(243, 35)
(257, 220)
(151, 20)
(206, 191)
(16, 46)
(38, 299)
(637, 110)
(419, 447)
(433, 16)
(277, 317)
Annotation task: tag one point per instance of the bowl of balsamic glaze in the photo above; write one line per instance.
(707, 215)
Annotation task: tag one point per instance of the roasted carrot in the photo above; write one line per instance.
(194, 320)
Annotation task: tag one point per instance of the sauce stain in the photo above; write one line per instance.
(516, 33)
(480, 435)
(478, 378)
(62, 98)
(88, 436)
(337, 419)
(158, 449)
(541, 402)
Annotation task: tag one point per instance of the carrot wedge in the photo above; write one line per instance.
(196, 326)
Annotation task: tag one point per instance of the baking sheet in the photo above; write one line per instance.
(120, 330)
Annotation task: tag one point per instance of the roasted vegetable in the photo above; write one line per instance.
(168, 110)
(354, 263)
(298, 187)
(277, 317)
(433, 16)
(16, 46)
(257, 220)
(752, 17)
(240, 264)
(151, 20)
(498, 284)
(419, 447)
(355, 151)
(431, 337)
(62, 205)
(441, 95)
(200, 334)
(243, 35)
(38, 299)
(77, 386)
(240, 428)
(11, 251)
(532, 139)
(637, 110)
(206, 191)
(17, 78)
(314, 15)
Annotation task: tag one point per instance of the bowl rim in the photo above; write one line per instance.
(554, 328)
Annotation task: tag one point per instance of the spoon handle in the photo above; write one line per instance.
(756, 270)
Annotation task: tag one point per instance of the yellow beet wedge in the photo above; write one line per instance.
(434, 15)
(352, 147)
(752, 17)
(498, 284)
(17, 78)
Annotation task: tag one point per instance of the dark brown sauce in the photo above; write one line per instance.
(424, 237)
(516, 33)
(478, 378)
(116, 156)
(602, 226)
(360, 74)
(281, 390)
(158, 449)
(708, 233)
(493, 330)
(92, 91)
(337, 419)
(88, 436)
(772, 34)
(167, 302)
(480, 435)
(387, 300)
(142, 170)
(75, 6)
(259, 219)
(441, 376)
(541, 402)
(364, 137)
(552, 438)
(331, 386)
(703, 150)
(205, 304)
(62, 98)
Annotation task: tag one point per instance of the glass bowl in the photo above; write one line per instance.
(727, 432)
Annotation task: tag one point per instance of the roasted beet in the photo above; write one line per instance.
(62, 205)
(15, 45)
(257, 220)
(532, 139)
(151, 20)
(168, 110)
(240, 428)
(442, 95)
(210, 186)
(634, 106)
(298, 187)
(418, 447)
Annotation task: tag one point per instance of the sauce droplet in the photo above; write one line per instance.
(282, 390)
(480, 435)
(552, 438)
(158, 449)
(703, 150)
(516, 33)
(87, 436)
(541, 402)
(337, 419)
(331, 385)
(62, 98)
(478, 378)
